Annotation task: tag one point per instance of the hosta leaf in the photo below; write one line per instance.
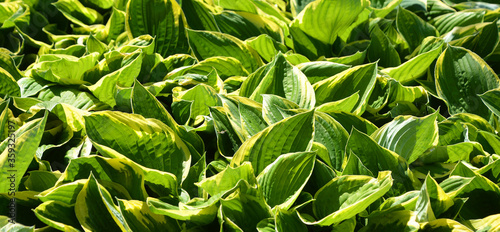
(312, 20)
(415, 67)
(95, 200)
(333, 136)
(197, 210)
(401, 220)
(483, 42)
(58, 215)
(283, 180)
(236, 25)
(63, 193)
(289, 221)
(292, 134)
(382, 50)
(350, 121)
(63, 69)
(483, 194)
(77, 13)
(119, 171)
(140, 218)
(377, 158)
(207, 44)
(345, 196)
(360, 78)
(202, 96)
(266, 46)
(318, 70)
(148, 142)
(243, 211)
(271, 105)
(199, 15)
(444, 224)
(445, 23)
(105, 89)
(460, 76)
(491, 99)
(227, 179)
(282, 79)
(490, 223)
(409, 137)
(413, 28)
(162, 19)
(432, 201)
(8, 84)
(18, 150)
(146, 104)
(74, 97)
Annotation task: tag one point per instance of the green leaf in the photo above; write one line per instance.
(105, 89)
(377, 158)
(164, 20)
(140, 218)
(401, 220)
(266, 46)
(444, 224)
(271, 108)
(63, 69)
(199, 15)
(283, 180)
(202, 97)
(319, 70)
(197, 211)
(147, 105)
(345, 196)
(18, 150)
(282, 79)
(333, 136)
(243, 211)
(413, 28)
(207, 44)
(415, 67)
(408, 136)
(483, 194)
(359, 78)
(491, 99)
(40, 181)
(148, 142)
(294, 134)
(432, 201)
(289, 221)
(490, 223)
(483, 42)
(227, 179)
(313, 22)
(58, 215)
(460, 76)
(228, 140)
(77, 13)
(447, 22)
(8, 85)
(120, 171)
(96, 211)
(382, 50)
(71, 96)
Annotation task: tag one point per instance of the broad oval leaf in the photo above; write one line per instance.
(409, 137)
(283, 180)
(345, 196)
(460, 76)
(281, 78)
(293, 134)
(206, 44)
(162, 19)
(359, 78)
(148, 142)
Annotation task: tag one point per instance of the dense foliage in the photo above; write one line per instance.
(249, 115)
